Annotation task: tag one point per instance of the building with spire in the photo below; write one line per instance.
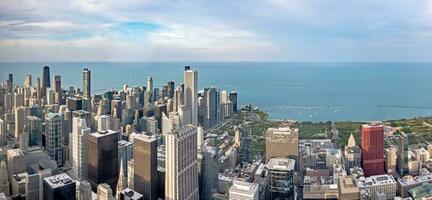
(122, 182)
(352, 154)
(4, 182)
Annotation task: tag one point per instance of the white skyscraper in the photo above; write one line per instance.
(4, 182)
(191, 94)
(80, 133)
(53, 136)
(243, 190)
(181, 171)
(104, 123)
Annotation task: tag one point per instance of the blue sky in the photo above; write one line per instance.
(225, 30)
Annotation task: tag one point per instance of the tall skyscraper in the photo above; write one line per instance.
(57, 83)
(103, 158)
(80, 133)
(211, 112)
(145, 178)
(54, 137)
(46, 83)
(121, 183)
(20, 116)
(10, 83)
(59, 186)
(402, 159)
(372, 145)
(233, 99)
(281, 171)
(86, 83)
(150, 88)
(181, 170)
(191, 94)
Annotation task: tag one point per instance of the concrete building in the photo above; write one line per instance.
(243, 190)
(348, 189)
(181, 170)
(145, 173)
(129, 194)
(282, 142)
(103, 158)
(352, 154)
(4, 182)
(391, 160)
(104, 123)
(281, 175)
(371, 186)
(16, 162)
(59, 186)
(54, 137)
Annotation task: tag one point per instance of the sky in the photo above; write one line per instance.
(222, 30)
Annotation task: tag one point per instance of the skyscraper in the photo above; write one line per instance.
(243, 190)
(80, 133)
(86, 83)
(57, 83)
(191, 94)
(4, 182)
(53, 136)
(103, 158)
(282, 142)
(211, 112)
(150, 88)
(46, 83)
(145, 178)
(59, 186)
(233, 99)
(281, 172)
(372, 145)
(181, 170)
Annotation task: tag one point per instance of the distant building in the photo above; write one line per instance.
(233, 99)
(243, 190)
(59, 186)
(281, 173)
(86, 83)
(372, 145)
(282, 142)
(46, 82)
(191, 94)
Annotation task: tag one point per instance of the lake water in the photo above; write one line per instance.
(287, 90)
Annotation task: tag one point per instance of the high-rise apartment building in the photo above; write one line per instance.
(281, 173)
(372, 145)
(86, 83)
(145, 173)
(181, 170)
(54, 137)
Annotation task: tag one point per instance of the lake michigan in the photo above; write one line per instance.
(286, 90)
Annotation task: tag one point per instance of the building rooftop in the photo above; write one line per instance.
(281, 164)
(103, 133)
(383, 179)
(347, 185)
(132, 194)
(51, 115)
(409, 180)
(59, 180)
(145, 138)
(283, 130)
(243, 187)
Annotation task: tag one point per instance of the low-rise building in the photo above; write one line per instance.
(369, 187)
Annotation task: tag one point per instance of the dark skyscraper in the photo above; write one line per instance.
(372, 146)
(46, 83)
(10, 83)
(86, 83)
(57, 83)
(171, 88)
(145, 155)
(103, 158)
(59, 186)
(211, 112)
(233, 99)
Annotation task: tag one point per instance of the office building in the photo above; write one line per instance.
(402, 158)
(282, 142)
(281, 173)
(352, 154)
(181, 170)
(20, 116)
(191, 94)
(80, 133)
(104, 122)
(243, 190)
(85, 191)
(54, 137)
(233, 99)
(125, 153)
(145, 173)
(103, 158)
(35, 130)
(57, 83)
(372, 145)
(59, 186)
(16, 162)
(211, 117)
(46, 83)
